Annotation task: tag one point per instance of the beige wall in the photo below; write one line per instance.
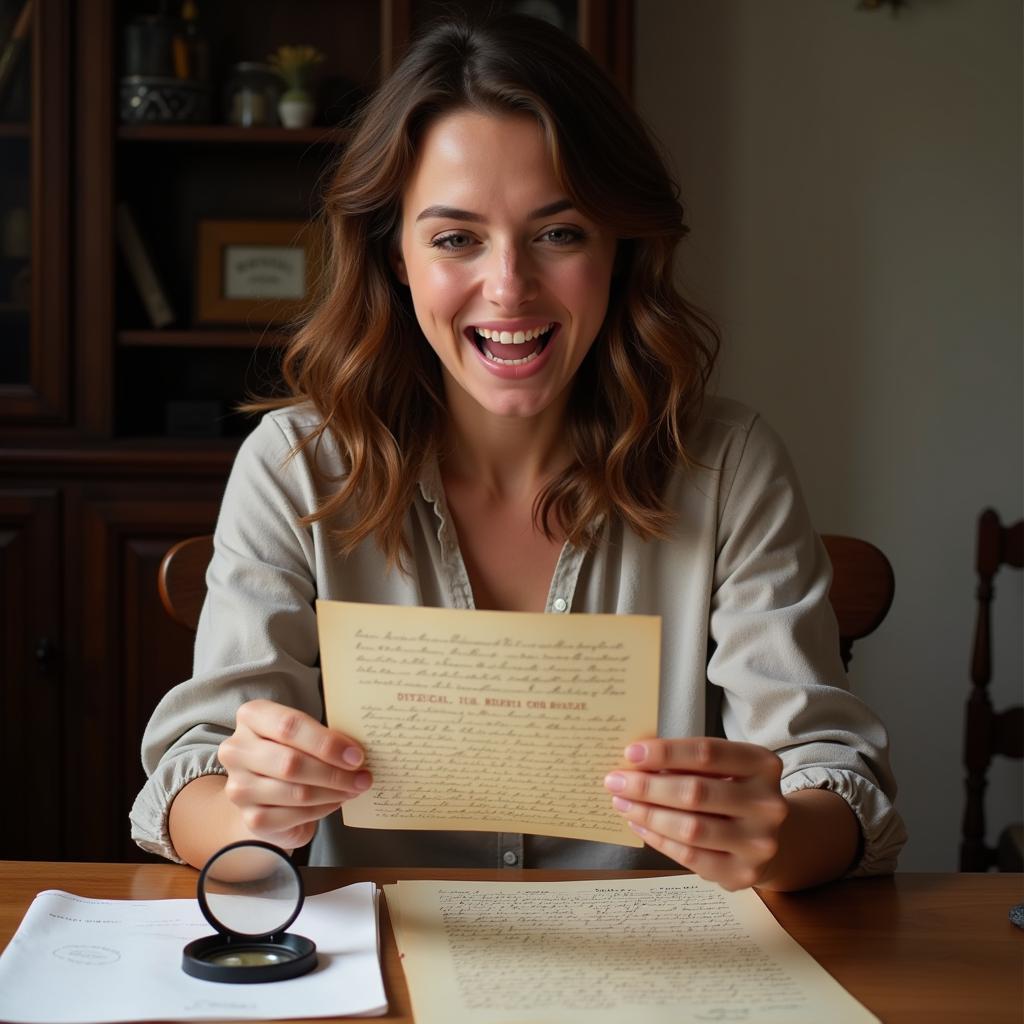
(853, 182)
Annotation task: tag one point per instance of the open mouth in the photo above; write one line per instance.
(511, 348)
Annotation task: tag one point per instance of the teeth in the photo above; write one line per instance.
(513, 337)
(512, 362)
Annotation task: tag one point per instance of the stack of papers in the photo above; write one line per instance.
(75, 960)
(658, 950)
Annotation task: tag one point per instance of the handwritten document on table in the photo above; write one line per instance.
(490, 721)
(674, 949)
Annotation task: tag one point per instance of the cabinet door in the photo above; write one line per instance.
(31, 740)
(34, 237)
(132, 653)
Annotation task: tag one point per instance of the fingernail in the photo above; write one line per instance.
(615, 782)
(638, 829)
(352, 756)
(621, 805)
(362, 780)
(636, 752)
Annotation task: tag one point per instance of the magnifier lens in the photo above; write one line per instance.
(251, 890)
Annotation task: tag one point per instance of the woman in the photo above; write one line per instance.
(498, 403)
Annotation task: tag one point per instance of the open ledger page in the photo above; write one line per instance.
(489, 721)
(667, 950)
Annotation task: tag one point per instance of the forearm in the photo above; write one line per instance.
(819, 841)
(202, 820)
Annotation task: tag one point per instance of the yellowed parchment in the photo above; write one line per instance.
(662, 950)
(489, 721)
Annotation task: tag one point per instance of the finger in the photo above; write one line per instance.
(290, 838)
(686, 792)
(276, 820)
(293, 728)
(694, 830)
(704, 755)
(246, 753)
(743, 798)
(743, 838)
(723, 868)
(244, 788)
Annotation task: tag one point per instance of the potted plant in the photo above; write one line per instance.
(295, 64)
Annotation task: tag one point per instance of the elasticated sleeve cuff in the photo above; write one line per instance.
(151, 808)
(881, 826)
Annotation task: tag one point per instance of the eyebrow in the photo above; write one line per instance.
(454, 213)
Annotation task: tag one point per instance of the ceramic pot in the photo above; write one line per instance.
(295, 108)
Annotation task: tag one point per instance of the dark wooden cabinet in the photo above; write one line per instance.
(98, 473)
(32, 667)
(123, 528)
(86, 649)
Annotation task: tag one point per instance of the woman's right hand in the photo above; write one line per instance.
(286, 771)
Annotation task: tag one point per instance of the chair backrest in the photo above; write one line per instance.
(862, 589)
(181, 579)
(988, 733)
(862, 585)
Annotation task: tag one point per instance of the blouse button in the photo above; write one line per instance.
(559, 604)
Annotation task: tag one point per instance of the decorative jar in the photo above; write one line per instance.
(251, 95)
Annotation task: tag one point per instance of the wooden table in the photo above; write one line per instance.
(914, 947)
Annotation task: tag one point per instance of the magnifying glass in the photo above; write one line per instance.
(250, 892)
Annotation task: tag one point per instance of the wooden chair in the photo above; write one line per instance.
(988, 733)
(181, 579)
(862, 589)
(862, 585)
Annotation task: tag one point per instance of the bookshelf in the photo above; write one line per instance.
(174, 176)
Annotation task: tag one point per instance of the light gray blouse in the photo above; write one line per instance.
(749, 641)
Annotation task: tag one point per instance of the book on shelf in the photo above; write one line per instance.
(140, 264)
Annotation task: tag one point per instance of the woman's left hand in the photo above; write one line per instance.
(712, 805)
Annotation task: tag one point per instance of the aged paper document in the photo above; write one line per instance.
(667, 950)
(489, 721)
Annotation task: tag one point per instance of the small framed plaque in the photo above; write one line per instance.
(255, 271)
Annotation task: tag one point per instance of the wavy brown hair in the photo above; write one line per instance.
(359, 356)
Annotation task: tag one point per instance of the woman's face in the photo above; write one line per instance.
(509, 281)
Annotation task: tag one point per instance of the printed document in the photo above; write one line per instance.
(75, 960)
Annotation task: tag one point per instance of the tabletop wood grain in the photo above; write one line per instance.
(913, 947)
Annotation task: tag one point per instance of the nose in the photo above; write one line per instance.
(510, 278)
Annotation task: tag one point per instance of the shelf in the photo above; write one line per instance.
(231, 134)
(201, 339)
(170, 456)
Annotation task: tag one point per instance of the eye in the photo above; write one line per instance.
(563, 236)
(454, 241)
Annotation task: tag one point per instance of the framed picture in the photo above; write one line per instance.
(255, 270)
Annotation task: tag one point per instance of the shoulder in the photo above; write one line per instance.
(726, 431)
(274, 457)
(280, 437)
(284, 427)
(734, 457)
